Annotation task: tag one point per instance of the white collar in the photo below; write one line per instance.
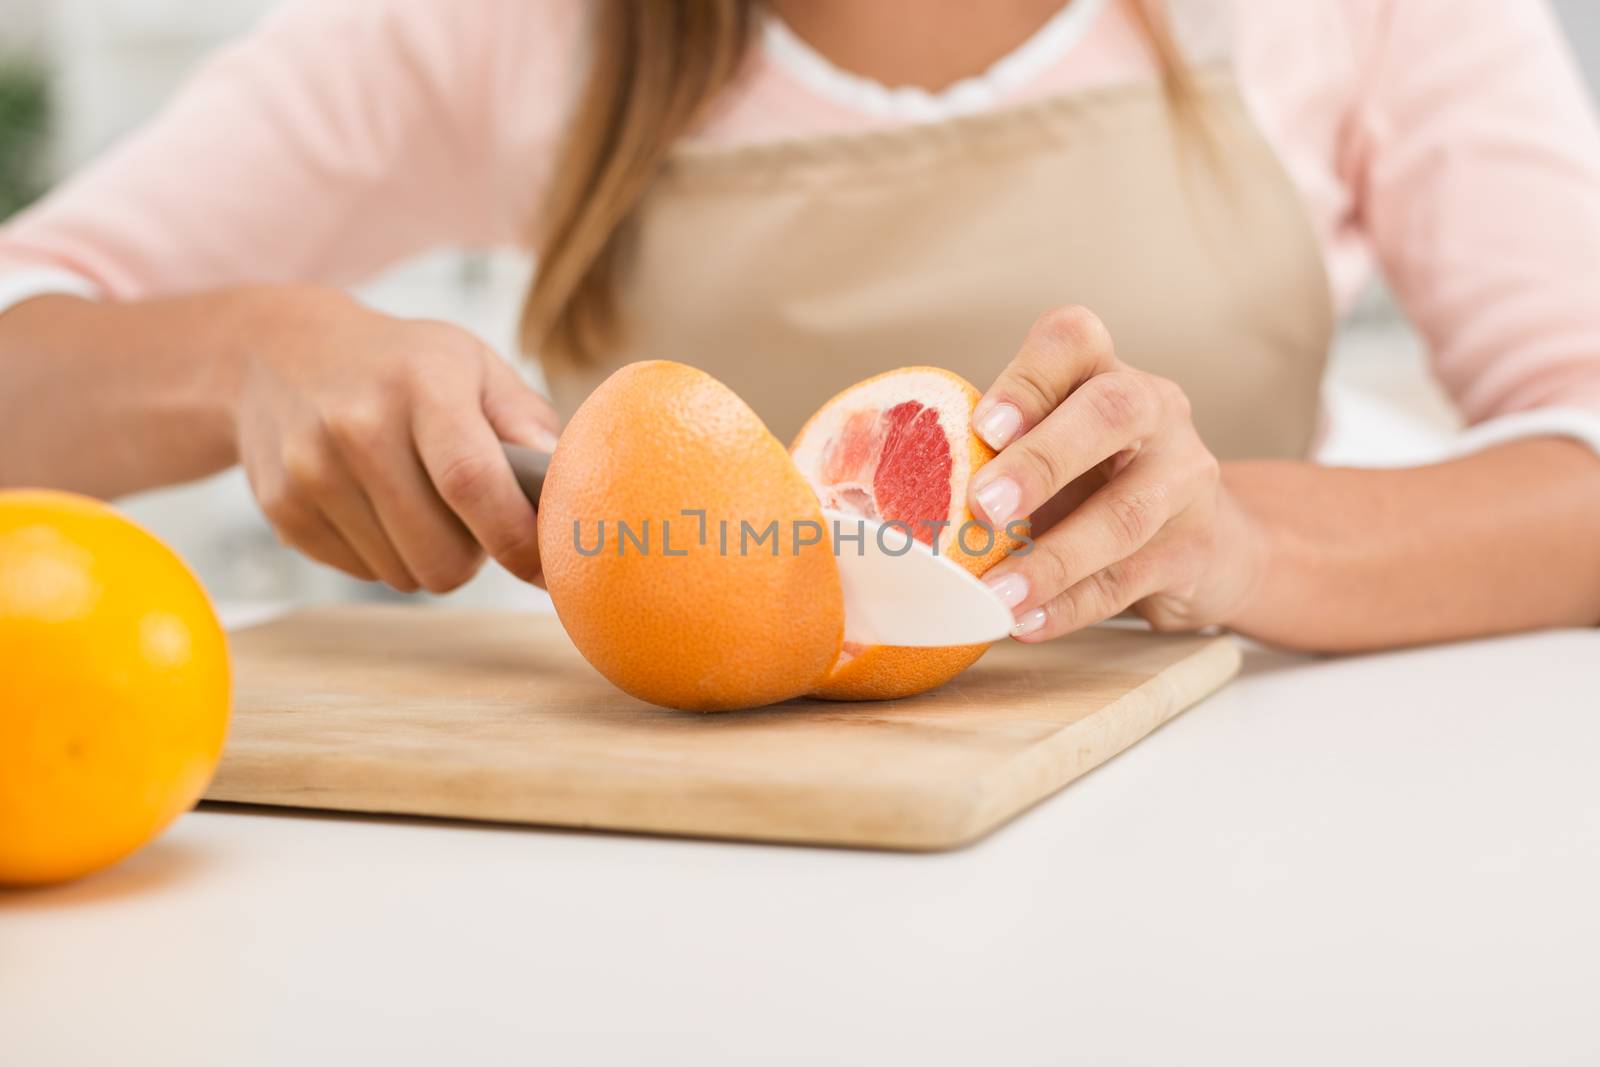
(1029, 60)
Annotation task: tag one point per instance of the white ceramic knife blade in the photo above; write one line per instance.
(896, 590)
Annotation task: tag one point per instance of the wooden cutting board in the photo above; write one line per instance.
(485, 715)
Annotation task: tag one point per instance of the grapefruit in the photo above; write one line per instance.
(685, 549)
(685, 554)
(899, 448)
(114, 692)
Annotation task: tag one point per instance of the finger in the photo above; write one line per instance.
(426, 540)
(353, 515)
(313, 467)
(1109, 414)
(1065, 348)
(462, 456)
(517, 412)
(1051, 512)
(319, 540)
(300, 526)
(1100, 596)
(1116, 522)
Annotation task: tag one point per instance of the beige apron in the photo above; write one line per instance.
(791, 270)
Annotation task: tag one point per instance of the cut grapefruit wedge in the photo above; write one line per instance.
(899, 448)
(686, 551)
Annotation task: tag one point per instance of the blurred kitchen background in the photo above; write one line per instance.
(76, 74)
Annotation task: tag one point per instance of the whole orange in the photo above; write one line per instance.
(114, 686)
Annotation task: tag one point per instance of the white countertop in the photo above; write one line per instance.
(1388, 859)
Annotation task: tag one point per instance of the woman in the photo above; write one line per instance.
(1179, 199)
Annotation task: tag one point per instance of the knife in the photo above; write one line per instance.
(896, 590)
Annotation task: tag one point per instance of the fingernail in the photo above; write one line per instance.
(998, 425)
(999, 500)
(1012, 589)
(543, 439)
(1029, 622)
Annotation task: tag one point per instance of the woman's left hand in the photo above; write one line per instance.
(1128, 505)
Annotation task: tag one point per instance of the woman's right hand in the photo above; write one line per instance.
(373, 443)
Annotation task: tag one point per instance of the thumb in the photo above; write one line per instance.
(517, 411)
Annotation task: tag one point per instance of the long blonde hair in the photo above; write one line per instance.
(654, 65)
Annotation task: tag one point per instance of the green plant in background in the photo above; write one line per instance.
(24, 128)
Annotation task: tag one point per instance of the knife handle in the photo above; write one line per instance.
(530, 467)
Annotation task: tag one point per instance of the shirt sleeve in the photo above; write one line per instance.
(340, 136)
(1477, 168)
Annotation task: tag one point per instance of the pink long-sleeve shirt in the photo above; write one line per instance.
(1449, 142)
